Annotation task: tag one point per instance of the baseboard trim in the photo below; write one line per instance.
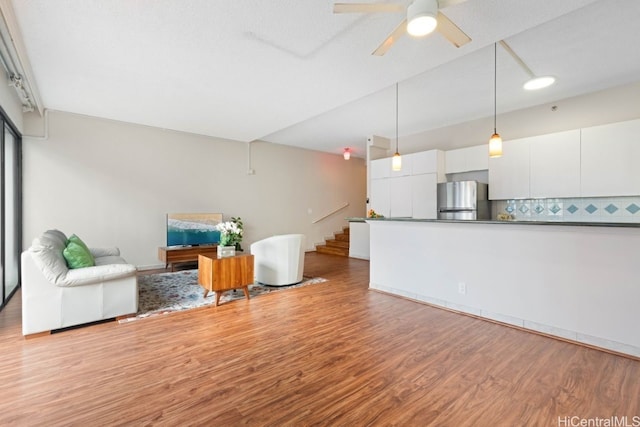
(150, 267)
(37, 335)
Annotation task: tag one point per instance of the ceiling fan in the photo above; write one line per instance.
(423, 17)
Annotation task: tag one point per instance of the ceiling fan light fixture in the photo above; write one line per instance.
(422, 17)
(536, 83)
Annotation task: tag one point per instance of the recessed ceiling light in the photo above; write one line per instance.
(534, 82)
(539, 82)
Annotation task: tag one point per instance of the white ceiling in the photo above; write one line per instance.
(294, 73)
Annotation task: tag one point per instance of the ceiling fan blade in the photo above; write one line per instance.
(366, 7)
(446, 3)
(399, 31)
(451, 31)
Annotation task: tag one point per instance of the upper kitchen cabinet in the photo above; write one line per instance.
(611, 160)
(555, 164)
(467, 159)
(381, 168)
(432, 161)
(509, 174)
(406, 166)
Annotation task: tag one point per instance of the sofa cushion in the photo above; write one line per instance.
(57, 234)
(97, 274)
(109, 259)
(47, 255)
(101, 252)
(77, 254)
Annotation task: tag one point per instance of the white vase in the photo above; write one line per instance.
(226, 251)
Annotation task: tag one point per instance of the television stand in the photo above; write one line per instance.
(172, 255)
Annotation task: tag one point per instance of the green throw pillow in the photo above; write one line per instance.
(77, 253)
(75, 239)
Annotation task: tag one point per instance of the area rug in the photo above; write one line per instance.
(165, 293)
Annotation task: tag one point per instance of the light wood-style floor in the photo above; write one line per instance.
(331, 354)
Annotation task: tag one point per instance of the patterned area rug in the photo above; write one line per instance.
(170, 292)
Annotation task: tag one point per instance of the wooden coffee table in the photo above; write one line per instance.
(224, 274)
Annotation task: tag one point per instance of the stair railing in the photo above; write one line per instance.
(336, 210)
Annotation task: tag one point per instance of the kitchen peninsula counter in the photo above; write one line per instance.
(358, 238)
(577, 281)
(511, 222)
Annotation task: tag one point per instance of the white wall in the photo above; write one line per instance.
(112, 184)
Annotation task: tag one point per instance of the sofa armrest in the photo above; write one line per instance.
(99, 252)
(97, 274)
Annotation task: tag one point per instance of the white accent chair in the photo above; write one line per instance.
(279, 260)
(54, 296)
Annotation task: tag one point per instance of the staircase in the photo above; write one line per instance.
(339, 245)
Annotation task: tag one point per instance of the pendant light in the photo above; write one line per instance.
(495, 142)
(396, 161)
(346, 153)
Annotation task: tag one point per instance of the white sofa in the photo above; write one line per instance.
(54, 296)
(279, 260)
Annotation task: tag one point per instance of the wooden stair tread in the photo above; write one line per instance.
(341, 237)
(324, 249)
(338, 245)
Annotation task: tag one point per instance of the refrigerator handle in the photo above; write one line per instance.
(457, 210)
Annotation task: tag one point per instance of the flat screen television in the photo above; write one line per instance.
(193, 229)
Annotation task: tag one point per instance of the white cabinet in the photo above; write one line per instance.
(431, 161)
(405, 169)
(411, 192)
(379, 197)
(509, 174)
(467, 159)
(599, 161)
(611, 160)
(413, 196)
(539, 166)
(380, 168)
(424, 196)
(477, 158)
(457, 161)
(555, 165)
(400, 196)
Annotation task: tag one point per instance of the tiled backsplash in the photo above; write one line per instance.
(587, 209)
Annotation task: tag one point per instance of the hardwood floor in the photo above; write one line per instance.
(331, 354)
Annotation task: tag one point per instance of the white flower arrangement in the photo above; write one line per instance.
(230, 232)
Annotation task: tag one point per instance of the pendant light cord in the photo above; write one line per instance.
(396, 117)
(495, 84)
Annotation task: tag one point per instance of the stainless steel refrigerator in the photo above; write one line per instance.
(463, 200)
